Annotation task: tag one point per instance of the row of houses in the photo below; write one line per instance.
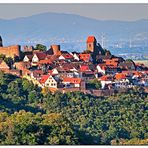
(56, 69)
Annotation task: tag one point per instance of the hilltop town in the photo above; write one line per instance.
(94, 71)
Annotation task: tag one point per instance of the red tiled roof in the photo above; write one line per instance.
(41, 55)
(137, 73)
(102, 66)
(29, 57)
(45, 62)
(72, 80)
(85, 56)
(67, 56)
(50, 72)
(68, 66)
(91, 39)
(84, 68)
(104, 78)
(52, 57)
(38, 71)
(119, 76)
(26, 70)
(44, 78)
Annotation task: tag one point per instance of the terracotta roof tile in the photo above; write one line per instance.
(119, 76)
(72, 80)
(44, 78)
(41, 55)
(91, 39)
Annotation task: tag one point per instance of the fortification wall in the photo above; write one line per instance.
(10, 51)
(56, 49)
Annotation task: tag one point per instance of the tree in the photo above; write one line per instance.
(41, 47)
(27, 85)
(95, 84)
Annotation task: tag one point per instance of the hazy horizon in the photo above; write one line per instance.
(121, 12)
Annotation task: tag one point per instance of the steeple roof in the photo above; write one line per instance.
(91, 39)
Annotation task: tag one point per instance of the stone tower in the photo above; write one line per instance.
(1, 42)
(91, 43)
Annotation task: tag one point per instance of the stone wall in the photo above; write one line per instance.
(10, 51)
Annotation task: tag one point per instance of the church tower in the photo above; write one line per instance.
(1, 42)
(91, 43)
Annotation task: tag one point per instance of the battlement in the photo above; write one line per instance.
(10, 51)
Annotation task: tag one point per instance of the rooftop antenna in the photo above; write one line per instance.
(102, 40)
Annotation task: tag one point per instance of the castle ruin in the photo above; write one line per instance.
(10, 51)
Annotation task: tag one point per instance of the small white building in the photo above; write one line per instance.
(100, 69)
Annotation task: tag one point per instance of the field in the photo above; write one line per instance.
(145, 62)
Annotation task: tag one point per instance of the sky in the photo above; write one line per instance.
(124, 12)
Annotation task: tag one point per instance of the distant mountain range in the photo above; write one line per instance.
(68, 29)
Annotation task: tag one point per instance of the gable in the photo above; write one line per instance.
(26, 59)
(35, 58)
(61, 57)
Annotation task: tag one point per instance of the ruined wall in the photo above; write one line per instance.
(10, 51)
(27, 48)
(56, 49)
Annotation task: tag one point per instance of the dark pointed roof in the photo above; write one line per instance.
(1, 43)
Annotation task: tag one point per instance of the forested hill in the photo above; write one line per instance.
(31, 116)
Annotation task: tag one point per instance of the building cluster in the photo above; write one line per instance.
(61, 70)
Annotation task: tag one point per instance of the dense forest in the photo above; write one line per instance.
(29, 115)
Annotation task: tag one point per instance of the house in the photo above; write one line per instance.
(71, 82)
(36, 74)
(69, 67)
(112, 69)
(41, 62)
(144, 82)
(37, 56)
(120, 76)
(52, 58)
(122, 84)
(107, 69)
(3, 66)
(86, 57)
(101, 68)
(22, 65)
(121, 81)
(105, 81)
(48, 81)
(137, 74)
(127, 65)
(84, 68)
(53, 71)
(75, 56)
(15, 72)
(111, 62)
(67, 70)
(87, 75)
(28, 58)
(66, 56)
